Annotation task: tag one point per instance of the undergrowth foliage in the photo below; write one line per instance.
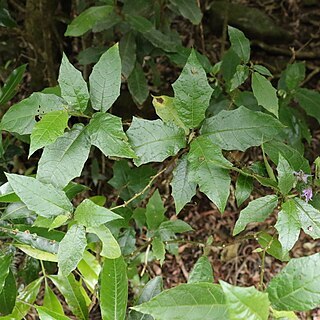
(94, 247)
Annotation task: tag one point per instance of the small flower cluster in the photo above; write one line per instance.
(303, 177)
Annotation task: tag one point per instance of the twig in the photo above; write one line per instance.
(201, 32)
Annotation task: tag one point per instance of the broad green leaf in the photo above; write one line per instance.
(90, 214)
(284, 315)
(241, 128)
(256, 211)
(202, 271)
(8, 91)
(197, 301)
(150, 290)
(265, 93)
(192, 92)
(114, 289)
(71, 249)
(137, 84)
(89, 268)
(127, 241)
(166, 109)
(182, 188)
(8, 294)
(154, 141)
(240, 76)
(49, 314)
(244, 187)
(130, 181)
(309, 218)
(43, 199)
(273, 246)
(5, 261)
(288, 224)
(51, 301)
(58, 221)
(292, 76)
(106, 133)
(262, 70)
(27, 297)
(189, 9)
(110, 246)
(239, 44)
(63, 160)
(21, 117)
(209, 169)
(246, 303)
(229, 64)
(158, 249)
(86, 20)
(74, 89)
(296, 287)
(155, 211)
(48, 129)
(294, 158)
(108, 22)
(174, 226)
(16, 210)
(37, 253)
(309, 100)
(5, 18)
(105, 80)
(70, 289)
(286, 178)
(127, 50)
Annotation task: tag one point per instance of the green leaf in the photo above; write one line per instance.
(204, 301)
(192, 92)
(229, 64)
(240, 76)
(5, 262)
(288, 224)
(286, 178)
(21, 117)
(105, 80)
(273, 246)
(5, 18)
(262, 70)
(87, 19)
(127, 241)
(150, 290)
(309, 100)
(43, 199)
(26, 297)
(63, 160)
(166, 109)
(8, 294)
(208, 168)
(265, 93)
(114, 289)
(16, 210)
(182, 188)
(137, 84)
(110, 246)
(256, 211)
(174, 226)
(246, 303)
(48, 129)
(129, 181)
(71, 249)
(241, 128)
(294, 158)
(37, 253)
(74, 89)
(293, 75)
(189, 9)
(48, 314)
(158, 249)
(91, 215)
(8, 90)
(106, 133)
(202, 271)
(127, 50)
(51, 301)
(70, 289)
(244, 187)
(7, 194)
(296, 287)
(284, 315)
(155, 211)
(154, 141)
(239, 44)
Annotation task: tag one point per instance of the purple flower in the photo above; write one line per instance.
(301, 176)
(307, 193)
